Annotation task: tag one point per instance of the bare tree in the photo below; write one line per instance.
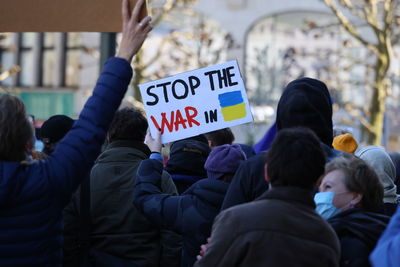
(380, 19)
(193, 41)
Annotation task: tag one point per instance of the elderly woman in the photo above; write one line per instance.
(350, 198)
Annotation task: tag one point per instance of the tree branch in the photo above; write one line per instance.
(349, 26)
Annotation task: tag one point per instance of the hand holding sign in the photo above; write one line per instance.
(154, 144)
(133, 32)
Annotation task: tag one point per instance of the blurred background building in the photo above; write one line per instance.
(273, 41)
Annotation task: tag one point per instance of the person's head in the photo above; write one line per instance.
(345, 142)
(220, 137)
(128, 124)
(223, 162)
(353, 184)
(188, 156)
(16, 132)
(53, 130)
(380, 161)
(306, 102)
(295, 159)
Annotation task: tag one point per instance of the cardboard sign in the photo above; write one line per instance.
(196, 102)
(62, 15)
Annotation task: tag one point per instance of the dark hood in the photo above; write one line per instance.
(307, 103)
(363, 225)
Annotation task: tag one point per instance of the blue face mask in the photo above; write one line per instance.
(325, 207)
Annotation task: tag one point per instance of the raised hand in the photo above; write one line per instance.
(133, 32)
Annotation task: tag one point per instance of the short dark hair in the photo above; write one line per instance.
(16, 130)
(359, 177)
(295, 158)
(220, 137)
(128, 124)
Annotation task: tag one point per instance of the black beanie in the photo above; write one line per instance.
(55, 128)
(306, 102)
(188, 156)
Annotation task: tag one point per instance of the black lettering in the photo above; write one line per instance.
(164, 86)
(206, 116)
(213, 115)
(185, 94)
(230, 75)
(210, 76)
(192, 85)
(153, 95)
(222, 78)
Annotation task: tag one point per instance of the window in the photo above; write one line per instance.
(47, 60)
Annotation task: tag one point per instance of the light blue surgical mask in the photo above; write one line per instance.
(324, 203)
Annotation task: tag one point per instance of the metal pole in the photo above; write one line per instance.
(108, 43)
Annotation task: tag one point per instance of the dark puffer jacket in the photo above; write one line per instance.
(32, 196)
(190, 214)
(358, 233)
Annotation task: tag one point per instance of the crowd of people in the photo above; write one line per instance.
(102, 193)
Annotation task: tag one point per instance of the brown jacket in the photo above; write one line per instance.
(280, 229)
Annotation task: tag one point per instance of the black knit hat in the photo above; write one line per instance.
(55, 128)
(188, 156)
(307, 103)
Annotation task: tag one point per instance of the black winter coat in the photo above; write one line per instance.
(358, 233)
(190, 214)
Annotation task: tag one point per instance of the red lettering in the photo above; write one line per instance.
(179, 120)
(190, 117)
(176, 119)
(164, 122)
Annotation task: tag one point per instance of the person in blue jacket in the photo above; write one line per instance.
(192, 213)
(387, 251)
(33, 194)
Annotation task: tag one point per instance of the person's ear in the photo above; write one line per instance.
(357, 198)
(266, 177)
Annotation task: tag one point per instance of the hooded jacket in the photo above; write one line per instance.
(380, 161)
(305, 102)
(32, 196)
(358, 233)
(190, 214)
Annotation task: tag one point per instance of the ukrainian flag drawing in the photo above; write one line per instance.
(232, 105)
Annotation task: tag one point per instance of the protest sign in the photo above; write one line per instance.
(196, 102)
(62, 15)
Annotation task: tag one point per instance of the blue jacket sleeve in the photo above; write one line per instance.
(161, 209)
(387, 252)
(76, 153)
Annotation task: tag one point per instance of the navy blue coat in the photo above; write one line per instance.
(191, 214)
(32, 196)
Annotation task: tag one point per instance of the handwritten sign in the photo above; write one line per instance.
(196, 102)
(62, 15)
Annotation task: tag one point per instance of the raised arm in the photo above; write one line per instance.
(76, 153)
